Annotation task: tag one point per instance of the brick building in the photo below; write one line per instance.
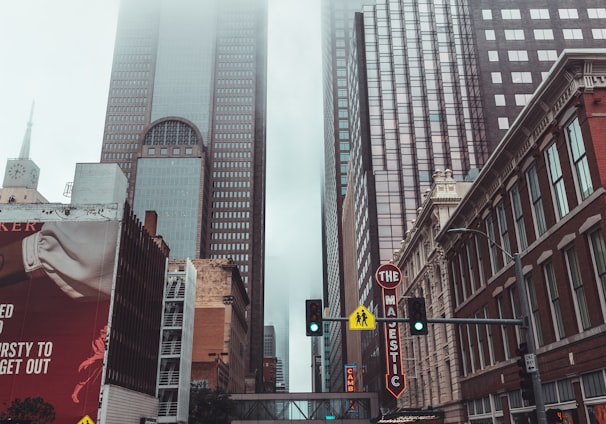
(541, 194)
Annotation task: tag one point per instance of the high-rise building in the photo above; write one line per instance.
(186, 123)
(430, 85)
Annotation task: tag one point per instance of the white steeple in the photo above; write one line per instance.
(25, 145)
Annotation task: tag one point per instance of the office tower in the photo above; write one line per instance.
(186, 123)
(434, 85)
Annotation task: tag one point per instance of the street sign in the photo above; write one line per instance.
(86, 420)
(362, 319)
(388, 276)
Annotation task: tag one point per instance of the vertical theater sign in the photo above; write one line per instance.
(389, 277)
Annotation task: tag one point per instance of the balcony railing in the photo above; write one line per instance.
(174, 319)
(169, 378)
(171, 347)
(167, 409)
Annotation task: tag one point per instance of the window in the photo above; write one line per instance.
(547, 55)
(493, 56)
(499, 100)
(503, 232)
(554, 299)
(496, 77)
(598, 253)
(543, 34)
(534, 310)
(579, 158)
(494, 252)
(599, 33)
(490, 35)
(514, 34)
(486, 14)
(599, 13)
(510, 14)
(522, 99)
(536, 200)
(503, 123)
(521, 77)
(517, 55)
(557, 181)
(501, 309)
(539, 13)
(518, 216)
(572, 34)
(574, 274)
(568, 13)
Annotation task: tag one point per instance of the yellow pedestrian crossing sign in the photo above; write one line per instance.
(362, 319)
(86, 420)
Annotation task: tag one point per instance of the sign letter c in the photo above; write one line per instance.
(395, 381)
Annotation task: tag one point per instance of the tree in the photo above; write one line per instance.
(208, 406)
(29, 410)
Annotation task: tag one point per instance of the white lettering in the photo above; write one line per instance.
(390, 299)
(395, 380)
(6, 310)
(10, 366)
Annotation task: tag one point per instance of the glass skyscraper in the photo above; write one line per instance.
(186, 123)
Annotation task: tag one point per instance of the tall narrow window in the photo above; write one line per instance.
(518, 216)
(501, 309)
(471, 265)
(598, 251)
(504, 232)
(534, 310)
(480, 339)
(494, 256)
(554, 298)
(515, 307)
(489, 337)
(557, 181)
(574, 273)
(537, 202)
(579, 158)
(480, 256)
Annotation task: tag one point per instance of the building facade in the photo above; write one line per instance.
(431, 362)
(540, 195)
(186, 123)
(435, 85)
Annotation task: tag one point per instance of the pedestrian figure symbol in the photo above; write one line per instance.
(362, 319)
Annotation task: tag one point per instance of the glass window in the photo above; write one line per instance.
(522, 99)
(547, 55)
(494, 252)
(493, 56)
(539, 13)
(503, 123)
(534, 310)
(496, 77)
(514, 34)
(151, 151)
(501, 309)
(572, 34)
(599, 33)
(554, 298)
(594, 386)
(598, 252)
(543, 34)
(503, 232)
(579, 158)
(568, 14)
(521, 77)
(499, 99)
(536, 200)
(510, 13)
(517, 55)
(486, 14)
(490, 35)
(518, 216)
(557, 181)
(574, 274)
(597, 13)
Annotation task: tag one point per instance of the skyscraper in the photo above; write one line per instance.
(186, 123)
(431, 84)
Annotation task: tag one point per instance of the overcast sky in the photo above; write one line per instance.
(58, 53)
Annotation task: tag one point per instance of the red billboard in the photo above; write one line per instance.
(55, 285)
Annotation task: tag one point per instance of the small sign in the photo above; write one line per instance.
(86, 420)
(362, 319)
(388, 276)
(530, 360)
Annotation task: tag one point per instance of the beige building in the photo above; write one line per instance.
(430, 361)
(220, 352)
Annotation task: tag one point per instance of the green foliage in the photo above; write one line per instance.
(29, 410)
(208, 406)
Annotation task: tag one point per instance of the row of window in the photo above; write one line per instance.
(229, 225)
(231, 194)
(545, 34)
(231, 205)
(164, 151)
(231, 174)
(233, 127)
(539, 14)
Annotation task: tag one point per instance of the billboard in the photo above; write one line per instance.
(55, 284)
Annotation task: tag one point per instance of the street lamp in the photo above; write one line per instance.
(536, 378)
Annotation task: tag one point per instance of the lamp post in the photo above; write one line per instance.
(529, 331)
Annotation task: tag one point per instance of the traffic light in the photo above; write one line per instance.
(417, 316)
(526, 378)
(313, 317)
(554, 416)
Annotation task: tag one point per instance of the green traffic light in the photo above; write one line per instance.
(419, 326)
(314, 327)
